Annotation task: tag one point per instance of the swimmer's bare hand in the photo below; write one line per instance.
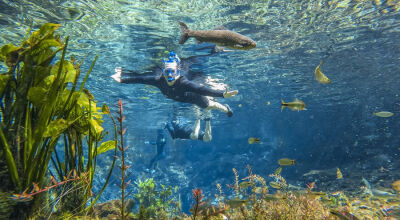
(117, 75)
(229, 94)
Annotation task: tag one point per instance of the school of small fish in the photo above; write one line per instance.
(226, 38)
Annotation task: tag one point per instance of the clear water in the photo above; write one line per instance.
(358, 42)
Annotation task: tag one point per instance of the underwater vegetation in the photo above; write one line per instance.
(44, 105)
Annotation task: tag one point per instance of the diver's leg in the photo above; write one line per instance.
(196, 129)
(207, 133)
(154, 161)
(218, 106)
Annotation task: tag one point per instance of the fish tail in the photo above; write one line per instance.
(283, 105)
(185, 33)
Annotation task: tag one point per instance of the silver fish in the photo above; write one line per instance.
(221, 37)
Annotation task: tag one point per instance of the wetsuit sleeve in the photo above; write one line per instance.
(149, 78)
(202, 90)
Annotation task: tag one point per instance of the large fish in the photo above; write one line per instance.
(221, 37)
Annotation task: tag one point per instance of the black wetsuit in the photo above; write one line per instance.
(183, 90)
(182, 131)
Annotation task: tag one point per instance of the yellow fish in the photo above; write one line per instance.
(320, 76)
(338, 174)
(253, 140)
(286, 162)
(296, 105)
(383, 114)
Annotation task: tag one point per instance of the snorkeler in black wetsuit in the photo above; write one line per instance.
(180, 130)
(175, 86)
(160, 142)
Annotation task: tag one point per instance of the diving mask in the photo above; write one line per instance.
(171, 68)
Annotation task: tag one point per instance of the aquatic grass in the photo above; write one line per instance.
(37, 108)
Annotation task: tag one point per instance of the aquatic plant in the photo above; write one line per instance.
(6, 205)
(123, 167)
(41, 102)
(252, 201)
(198, 201)
(155, 202)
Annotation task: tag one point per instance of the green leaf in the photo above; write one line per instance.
(55, 128)
(83, 101)
(105, 109)
(45, 29)
(6, 50)
(68, 68)
(50, 43)
(48, 28)
(49, 80)
(106, 146)
(37, 95)
(12, 168)
(95, 126)
(9, 54)
(44, 55)
(41, 73)
(3, 82)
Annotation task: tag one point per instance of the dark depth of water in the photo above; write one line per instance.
(358, 42)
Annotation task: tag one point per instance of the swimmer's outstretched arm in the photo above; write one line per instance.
(130, 77)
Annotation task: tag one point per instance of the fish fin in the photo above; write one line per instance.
(220, 27)
(185, 33)
(283, 105)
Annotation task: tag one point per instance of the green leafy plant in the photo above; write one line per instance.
(156, 203)
(42, 102)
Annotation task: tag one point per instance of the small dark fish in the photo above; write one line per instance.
(221, 37)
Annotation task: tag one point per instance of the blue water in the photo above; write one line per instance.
(358, 42)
